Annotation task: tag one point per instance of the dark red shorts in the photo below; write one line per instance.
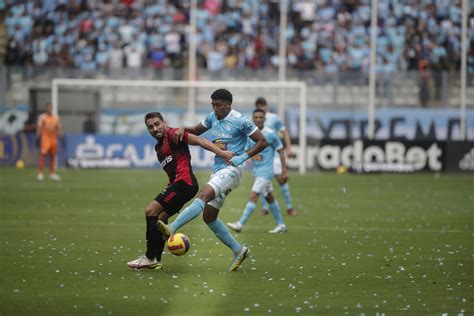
(176, 195)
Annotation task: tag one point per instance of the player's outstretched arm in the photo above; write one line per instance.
(284, 174)
(208, 145)
(260, 144)
(286, 139)
(194, 130)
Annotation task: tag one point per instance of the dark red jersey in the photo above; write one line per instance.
(175, 158)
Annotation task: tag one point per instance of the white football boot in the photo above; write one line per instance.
(143, 262)
(239, 257)
(55, 177)
(279, 229)
(237, 227)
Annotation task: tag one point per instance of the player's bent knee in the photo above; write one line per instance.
(253, 197)
(163, 216)
(150, 212)
(209, 216)
(206, 194)
(270, 198)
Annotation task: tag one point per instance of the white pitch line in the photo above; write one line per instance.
(255, 227)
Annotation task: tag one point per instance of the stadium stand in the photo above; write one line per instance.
(327, 38)
(235, 34)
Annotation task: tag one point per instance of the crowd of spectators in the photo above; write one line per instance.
(327, 35)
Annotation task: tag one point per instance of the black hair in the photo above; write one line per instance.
(222, 94)
(154, 114)
(260, 100)
(259, 110)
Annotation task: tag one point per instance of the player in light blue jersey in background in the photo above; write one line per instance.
(273, 122)
(230, 131)
(263, 173)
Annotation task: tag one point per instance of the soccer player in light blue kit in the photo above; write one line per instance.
(230, 131)
(273, 122)
(263, 173)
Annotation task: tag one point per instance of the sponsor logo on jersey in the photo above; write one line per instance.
(226, 126)
(221, 135)
(166, 160)
(220, 144)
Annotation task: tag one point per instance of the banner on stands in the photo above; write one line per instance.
(375, 156)
(107, 151)
(388, 156)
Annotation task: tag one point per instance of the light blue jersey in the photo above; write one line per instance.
(263, 161)
(274, 122)
(230, 133)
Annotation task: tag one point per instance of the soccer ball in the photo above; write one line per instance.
(20, 164)
(178, 244)
(341, 169)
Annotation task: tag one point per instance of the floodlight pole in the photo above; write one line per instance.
(54, 97)
(372, 70)
(192, 62)
(302, 131)
(282, 57)
(464, 43)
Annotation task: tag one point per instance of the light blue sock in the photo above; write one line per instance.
(221, 231)
(285, 190)
(264, 203)
(187, 215)
(275, 209)
(249, 208)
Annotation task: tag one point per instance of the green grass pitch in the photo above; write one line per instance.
(360, 244)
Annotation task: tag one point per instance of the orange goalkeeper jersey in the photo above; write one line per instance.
(49, 126)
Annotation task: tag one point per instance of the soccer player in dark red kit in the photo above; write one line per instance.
(182, 187)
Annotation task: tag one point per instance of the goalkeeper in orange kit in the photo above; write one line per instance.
(47, 134)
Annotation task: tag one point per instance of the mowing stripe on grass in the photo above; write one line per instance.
(256, 227)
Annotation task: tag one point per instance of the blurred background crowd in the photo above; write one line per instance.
(327, 35)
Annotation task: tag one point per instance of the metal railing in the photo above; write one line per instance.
(325, 90)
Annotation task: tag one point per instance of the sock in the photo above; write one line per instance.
(41, 163)
(249, 208)
(264, 203)
(152, 236)
(187, 215)
(285, 190)
(221, 231)
(159, 247)
(275, 209)
(52, 164)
